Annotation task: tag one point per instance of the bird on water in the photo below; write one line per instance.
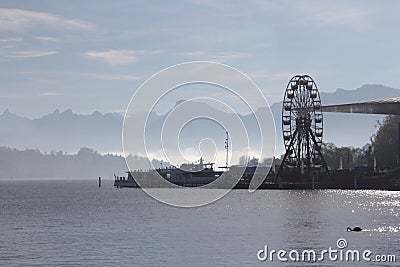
(355, 229)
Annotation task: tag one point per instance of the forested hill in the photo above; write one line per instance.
(86, 163)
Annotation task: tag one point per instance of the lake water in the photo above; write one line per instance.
(75, 223)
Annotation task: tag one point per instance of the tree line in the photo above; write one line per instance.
(382, 152)
(86, 163)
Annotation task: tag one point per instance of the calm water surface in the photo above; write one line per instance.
(75, 223)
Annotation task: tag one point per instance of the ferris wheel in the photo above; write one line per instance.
(302, 123)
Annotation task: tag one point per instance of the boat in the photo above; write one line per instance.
(187, 175)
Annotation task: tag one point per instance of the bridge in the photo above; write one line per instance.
(389, 106)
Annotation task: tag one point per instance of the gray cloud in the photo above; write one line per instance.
(46, 39)
(118, 57)
(30, 54)
(17, 20)
(217, 56)
(114, 77)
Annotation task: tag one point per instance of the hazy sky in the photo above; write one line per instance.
(92, 55)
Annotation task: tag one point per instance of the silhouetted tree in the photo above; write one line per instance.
(253, 162)
(351, 157)
(385, 142)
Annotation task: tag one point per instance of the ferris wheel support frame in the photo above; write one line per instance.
(324, 165)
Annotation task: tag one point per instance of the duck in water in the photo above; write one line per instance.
(355, 229)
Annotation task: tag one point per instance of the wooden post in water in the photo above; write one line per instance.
(99, 181)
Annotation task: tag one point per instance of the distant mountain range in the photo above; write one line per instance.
(65, 131)
(69, 132)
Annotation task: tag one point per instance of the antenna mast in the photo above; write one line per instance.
(227, 149)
